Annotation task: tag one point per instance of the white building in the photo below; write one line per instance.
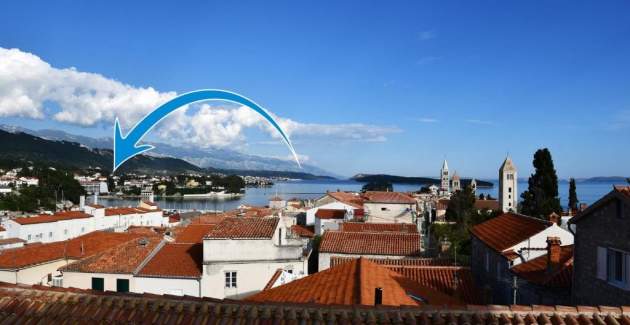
(335, 205)
(70, 224)
(94, 187)
(389, 207)
(508, 192)
(456, 183)
(240, 255)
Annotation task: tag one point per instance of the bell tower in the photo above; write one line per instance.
(508, 193)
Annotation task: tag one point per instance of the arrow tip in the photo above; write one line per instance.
(125, 149)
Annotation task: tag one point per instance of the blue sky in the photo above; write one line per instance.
(374, 87)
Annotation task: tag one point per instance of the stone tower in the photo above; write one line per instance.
(445, 184)
(508, 194)
(456, 184)
(473, 185)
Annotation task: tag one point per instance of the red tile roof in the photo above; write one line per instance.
(208, 218)
(396, 244)
(535, 270)
(353, 283)
(175, 260)
(388, 197)
(120, 211)
(303, 231)
(76, 248)
(124, 258)
(2, 229)
(244, 228)
(193, 233)
(378, 227)
(508, 229)
(46, 218)
(625, 190)
(485, 205)
(39, 304)
(352, 199)
(396, 262)
(9, 241)
(276, 275)
(330, 213)
(455, 281)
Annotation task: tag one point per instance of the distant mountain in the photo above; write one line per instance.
(410, 180)
(203, 157)
(604, 179)
(22, 146)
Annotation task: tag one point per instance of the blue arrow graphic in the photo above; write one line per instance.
(126, 147)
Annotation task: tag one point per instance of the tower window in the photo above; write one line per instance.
(509, 190)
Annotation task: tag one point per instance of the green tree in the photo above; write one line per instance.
(461, 207)
(573, 199)
(378, 186)
(541, 197)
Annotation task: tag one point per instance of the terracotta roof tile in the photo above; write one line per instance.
(244, 228)
(193, 233)
(303, 231)
(175, 260)
(276, 275)
(388, 197)
(378, 227)
(208, 218)
(348, 198)
(45, 218)
(487, 205)
(76, 248)
(38, 304)
(397, 244)
(330, 213)
(508, 229)
(8, 241)
(126, 211)
(535, 270)
(2, 229)
(353, 283)
(124, 258)
(396, 262)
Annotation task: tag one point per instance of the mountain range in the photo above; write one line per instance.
(215, 159)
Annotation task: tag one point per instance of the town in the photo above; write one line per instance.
(441, 245)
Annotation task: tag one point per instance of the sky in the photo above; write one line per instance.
(360, 86)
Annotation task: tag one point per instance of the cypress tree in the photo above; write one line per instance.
(573, 200)
(541, 197)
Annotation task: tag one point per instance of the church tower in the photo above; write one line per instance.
(456, 184)
(508, 193)
(473, 185)
(445, 184)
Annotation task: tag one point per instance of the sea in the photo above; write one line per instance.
(587, 192)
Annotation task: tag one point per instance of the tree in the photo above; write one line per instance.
(461, 207)
(384, 186)
(573, 200)
(541, 197)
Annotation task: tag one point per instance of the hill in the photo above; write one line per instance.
(410, 180)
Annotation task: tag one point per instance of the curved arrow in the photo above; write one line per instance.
(126, 147)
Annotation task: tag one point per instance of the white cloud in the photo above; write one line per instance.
(32, 88)
(427, 120)
(427, 35)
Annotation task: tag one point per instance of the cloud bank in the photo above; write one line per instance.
(32, 88)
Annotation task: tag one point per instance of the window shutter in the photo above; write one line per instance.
(601, 263)
(627, 269)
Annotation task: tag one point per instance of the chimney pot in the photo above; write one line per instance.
(555, 218)
(553, 253)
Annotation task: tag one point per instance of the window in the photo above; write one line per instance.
(98, 284)
(509, 190)
(50, 234)
(230, 279)
(65, 231)
(122, 285)
(82, 229)
(383, 209)
(510, 177)
(29, 237)
(612, 267)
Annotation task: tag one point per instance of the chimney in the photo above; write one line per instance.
(553, 253)
(555, 218)
(378, 296)
(82, 202)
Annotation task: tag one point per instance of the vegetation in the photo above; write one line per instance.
(573, 200)
(541, 197)
(378, 186)
(461, 210)
(54, 185)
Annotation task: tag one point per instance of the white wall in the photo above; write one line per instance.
(167, 286)
(84, 280)
(310, 213)
(251, 277)
(32, 275)
(540, 241)
(389, 212)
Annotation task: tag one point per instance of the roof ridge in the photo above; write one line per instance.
(150, 256)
